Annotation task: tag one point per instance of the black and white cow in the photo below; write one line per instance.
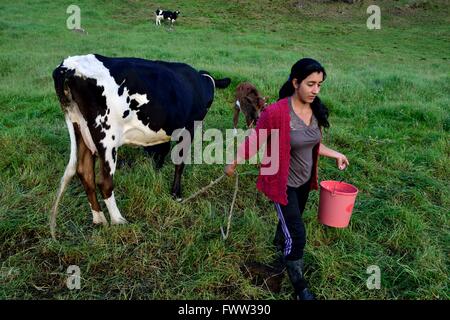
(109, 102)
(171, 16)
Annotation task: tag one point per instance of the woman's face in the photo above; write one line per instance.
(309, 88)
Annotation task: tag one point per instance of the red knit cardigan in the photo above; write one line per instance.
(274, 186)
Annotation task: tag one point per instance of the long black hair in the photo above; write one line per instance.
(300, 70)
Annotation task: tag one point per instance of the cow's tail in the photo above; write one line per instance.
(60, 87)
(218, 83)
(68, 174)
(222, 83)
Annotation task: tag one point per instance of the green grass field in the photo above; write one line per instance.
(388, 95)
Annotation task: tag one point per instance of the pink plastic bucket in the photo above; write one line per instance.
(336, 203)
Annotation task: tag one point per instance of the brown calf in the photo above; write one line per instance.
(250, 102)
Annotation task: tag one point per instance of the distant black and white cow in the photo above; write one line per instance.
(171, 16)
(109, 102)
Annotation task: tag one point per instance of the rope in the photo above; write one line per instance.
(230, 214)
(236, 187)
(204, 188)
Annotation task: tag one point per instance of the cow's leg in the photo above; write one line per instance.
(86, 173)
(235, 120)
(161, 156)
(249, 121)
(158, 153)
(107, 169)
(176, 186)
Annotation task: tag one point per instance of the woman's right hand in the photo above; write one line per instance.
(341, 161)
(230, 169)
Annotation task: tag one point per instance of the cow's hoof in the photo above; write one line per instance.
(98, 218)
(177, 196)
(121, 220)
(179, 199)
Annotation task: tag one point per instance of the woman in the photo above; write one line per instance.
(299, 117)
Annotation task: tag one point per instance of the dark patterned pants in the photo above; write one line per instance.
(290, 235)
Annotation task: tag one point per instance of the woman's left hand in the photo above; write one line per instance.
(341, 161)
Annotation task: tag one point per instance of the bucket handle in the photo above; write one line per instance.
(333, 193)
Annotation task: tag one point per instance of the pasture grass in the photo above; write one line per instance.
(388, 95)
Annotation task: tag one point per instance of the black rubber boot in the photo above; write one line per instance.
(295, 271)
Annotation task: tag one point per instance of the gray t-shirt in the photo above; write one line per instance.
(303, 140)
